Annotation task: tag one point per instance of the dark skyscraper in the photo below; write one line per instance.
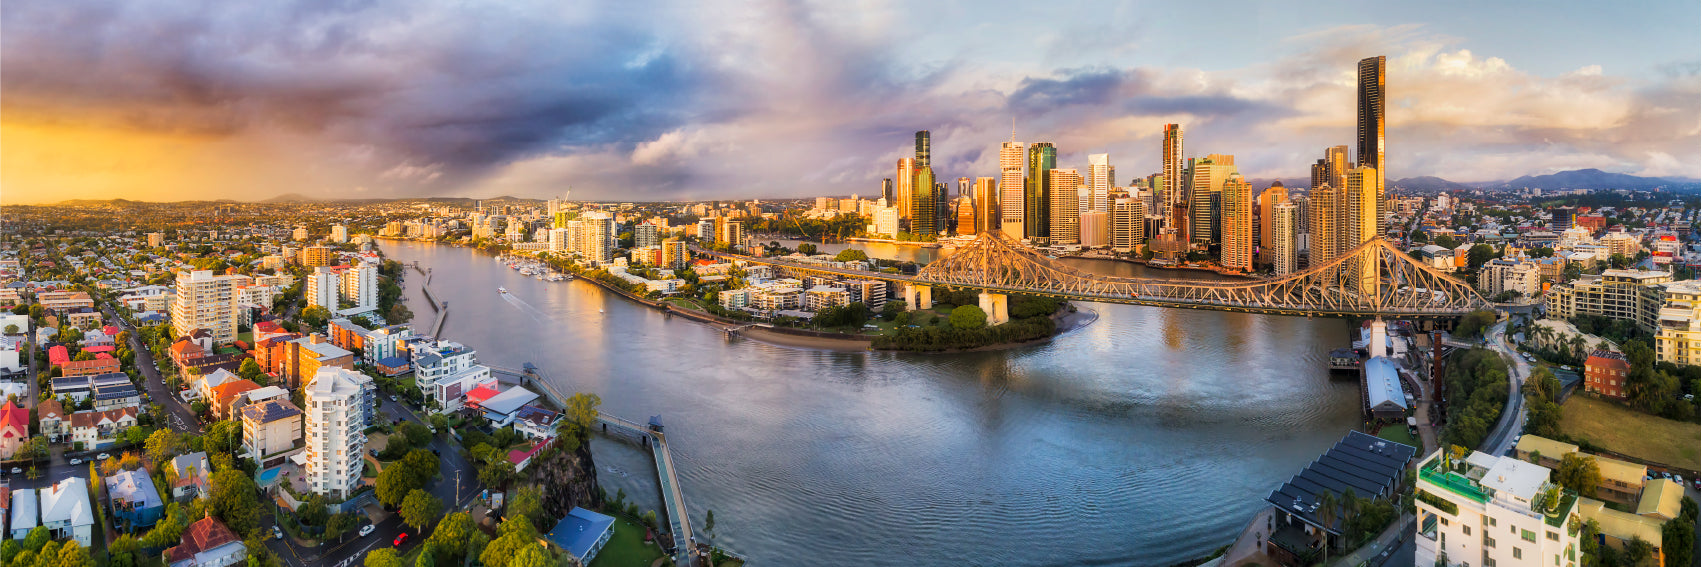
(924, 216)
(1037, 223)
(886, 192)
(923, 151)
(1371, 100)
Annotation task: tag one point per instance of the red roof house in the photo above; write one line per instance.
(479, 395)
(14, 428)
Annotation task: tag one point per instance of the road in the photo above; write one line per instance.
(177, 415)
(1500, 439)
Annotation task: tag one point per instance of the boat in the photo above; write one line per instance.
(501, 290)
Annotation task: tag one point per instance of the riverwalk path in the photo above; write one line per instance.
(441, 307)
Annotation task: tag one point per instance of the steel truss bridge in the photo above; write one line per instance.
(1373, 279)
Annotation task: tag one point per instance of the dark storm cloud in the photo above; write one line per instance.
(467, 87)
(1077, 87)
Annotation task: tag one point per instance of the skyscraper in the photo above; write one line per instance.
(1209, 175)
(1332, 169)
(906, 186)
(1174, 190)
(1323, 238)
(1237, 249)
(966, 215)
(1275, 195)
(886, 191)
(1064, 212)
(965, 187)
(1099, 181)
(1037, 218)
(1371, 126)
(208, 301)
(986, 204)
(1010, 188)
(1360, 207)
(923, 214)
(923, 152)
(1128, 224)
(1282, 239)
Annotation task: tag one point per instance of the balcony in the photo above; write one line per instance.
(1452, 481)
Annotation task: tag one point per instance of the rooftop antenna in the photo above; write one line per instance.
(1013, 129)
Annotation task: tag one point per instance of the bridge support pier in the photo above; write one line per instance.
(996, 307)
(917, 297)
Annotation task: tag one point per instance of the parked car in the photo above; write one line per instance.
(277, 533)
(367, 530)
(17, 470)
(103, 456)
(400, 539)
(76, 461)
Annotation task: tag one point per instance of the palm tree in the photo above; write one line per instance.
(1350, 508)
(1327, 516)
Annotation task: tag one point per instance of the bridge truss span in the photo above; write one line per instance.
(1373, 279)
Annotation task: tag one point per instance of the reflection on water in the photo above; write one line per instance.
(1148, 437)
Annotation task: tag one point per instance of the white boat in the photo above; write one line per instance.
(501, 290)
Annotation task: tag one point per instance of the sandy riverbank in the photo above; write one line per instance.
(799, 341)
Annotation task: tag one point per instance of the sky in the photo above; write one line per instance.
(662, 100)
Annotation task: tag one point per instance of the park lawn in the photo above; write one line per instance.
(626, 548)
(1398, 433)
(1623, 430)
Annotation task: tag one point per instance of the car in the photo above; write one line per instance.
(374, 452)
(17, 470)
(400, 539)
(103, 456)
(367, 530)
(277, 533)
(392, 397)
(76, 461)
(434, 453)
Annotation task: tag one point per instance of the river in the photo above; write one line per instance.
(1146, 438)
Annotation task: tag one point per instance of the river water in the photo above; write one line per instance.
(1146, 438)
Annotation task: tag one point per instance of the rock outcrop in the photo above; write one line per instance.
(567, 479)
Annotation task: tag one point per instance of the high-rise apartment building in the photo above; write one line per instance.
(1361, 222)
(924, 210)
(1099, 181)
(339, 233)
(1493, 510)
(299, 234)
(1283, 238)
(1174, 191)
(1209, 174)
(1037, 214)
(906, 189)
(316, 256)
(1011, 197)
(732, 233)
(336, 399)
(1324, 206)
(1094, 228)
(986, 204)
(966, 215)
(1236, 251)
(321, 288)
(1274, 195)
(1371, 128)
(156, 239)
(360, 285)
(1332, 168)
(674, 253)
(886, 221)
(923, 151)
(206, 301)
(1128, 224)
(1064, 210)
(886, 190)
(645, 235)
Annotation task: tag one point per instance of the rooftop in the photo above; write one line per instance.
(579, 531)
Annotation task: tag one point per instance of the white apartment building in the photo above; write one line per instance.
(1678, 338)
(322, 288)
(335, 419)
(1492, 511)
(886, 221)
(820, 298)
(360, 286)
(1284, 238)
(300, 233)
(205, 301)
(339, 233)
(381, 343)
(446, 371)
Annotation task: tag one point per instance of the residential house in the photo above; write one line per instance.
(582, 534)
(66, 512)
(225, 397)
(1662, 499)
(446, 371)
(132, 500)
(535, 422)
(1604, 373)
(1543, 451)
(50, 419)
(201, 387)
(14, 428)
(269, 428)
(1621, 482)
(502, 408)
(113, 396)
(97, 428)
(206, 543)
(1370, 466)
(91, 367)
(25, 513)
(192, 476)
(1619, 528)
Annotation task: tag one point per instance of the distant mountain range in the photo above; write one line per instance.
(1574, 179)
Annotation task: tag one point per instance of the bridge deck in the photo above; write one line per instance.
(679, 521)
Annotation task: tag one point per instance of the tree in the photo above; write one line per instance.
(515, 533)
(417, 435)
(580, 417)
(807, 249)
(420, 509)
(709, 522)
(233, 500)
(1327, 516)
(532, 555)
(851, 255)
(340, 524)
(1478, 255)
(527, 502)
(453, 535)
(122, 552)
(250, 370)
(428, 556)
(440, 422)
(383, 557)
(393, 485)
(315, 316)
(83, 355)
(73, 555)
(1474, 323)
(968, 317)
(892, 309)
(11, 330)
(1580, 473)
(162, 445)
(1678, 537)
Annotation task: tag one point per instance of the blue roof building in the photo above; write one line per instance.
(582, 534)
(133, 499)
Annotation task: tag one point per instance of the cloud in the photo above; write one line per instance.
(676, 99)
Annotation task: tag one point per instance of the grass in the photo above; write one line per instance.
(626, 548)
(1623, 430)
(1398, 433)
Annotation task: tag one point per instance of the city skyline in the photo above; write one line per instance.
(655, 116)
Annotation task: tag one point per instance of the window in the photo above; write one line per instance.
(1528, 535)
(1488, 542)
(1468, 529)
(1518, 553)
(1491, 520)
